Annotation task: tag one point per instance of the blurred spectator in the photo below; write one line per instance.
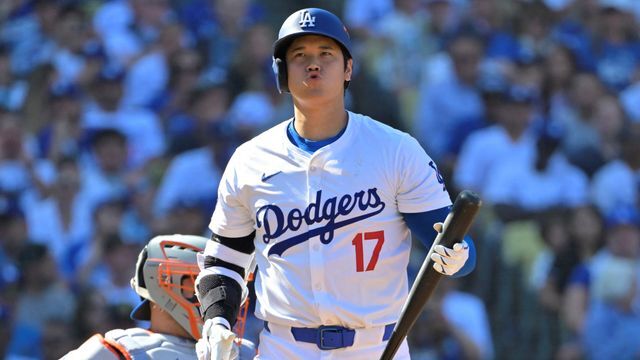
(107, 176)
(630, 100)
(107, 110)
(107, 218)
(185, 66)
(616, 48)
(574, 116)
(396, 55)
(62, 221)
(586, 237)
(23, 178)
(13, 91)
(616, 183)
(488, 18)
(148, 76)
(230, 20)
(35, 111)
(5, 331)
(203, 18)
(454, 325)
(113, 277)
(575, 23)
(613, 322)
(108, 274)
(444, 18)
(113, 22)
(62, 135)
(363, 16)
(529, 75)
(252, 111)
(609, 121)
(256, 101)
(57, 337)
(150, 17)
(251, 69)
(524, 188)
(93, 315)
(494, 87)
(554, 264)
(436, 67)
(530, 39)
(622, 240)
(439, 112)
(128, 27)
(70, 37)
(560, 68)
(13, 238)
(138, 220)
(364, 95)
(40, 284)
(189, 217)
(208, 161)
(95, 58)
(29, 29)
(510, 138)
(208, 105)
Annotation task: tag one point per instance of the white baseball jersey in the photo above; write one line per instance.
(331, 245)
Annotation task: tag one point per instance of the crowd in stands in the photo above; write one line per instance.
(117, 118)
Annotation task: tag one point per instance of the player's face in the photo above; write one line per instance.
(316, 67)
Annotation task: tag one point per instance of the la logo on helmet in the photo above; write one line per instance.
(306, 20)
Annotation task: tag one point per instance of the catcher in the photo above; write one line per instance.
(164, 278)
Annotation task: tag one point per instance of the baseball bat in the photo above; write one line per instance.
(456, 225)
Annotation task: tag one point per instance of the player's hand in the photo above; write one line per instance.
(217, 343)
(449, 261)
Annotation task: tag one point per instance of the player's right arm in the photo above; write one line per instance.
(224, 264)
(221, 283)
(221, 290)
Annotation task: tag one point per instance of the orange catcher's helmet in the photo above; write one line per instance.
(166, 271)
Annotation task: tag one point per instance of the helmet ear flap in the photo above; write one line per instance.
(280, 69)
(138, 280)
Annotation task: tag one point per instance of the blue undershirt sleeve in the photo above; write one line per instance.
(421, 225)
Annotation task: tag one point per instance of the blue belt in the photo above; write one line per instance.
(330, 337)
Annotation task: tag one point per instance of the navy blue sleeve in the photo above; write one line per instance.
(421, 225)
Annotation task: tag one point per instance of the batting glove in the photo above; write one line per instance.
(449, 261)
(217, 343)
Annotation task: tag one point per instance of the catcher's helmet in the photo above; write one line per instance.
(166, 271)
(310, 21)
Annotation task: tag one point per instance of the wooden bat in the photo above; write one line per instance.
(455, 227)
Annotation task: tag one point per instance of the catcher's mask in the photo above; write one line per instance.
(310, 21)
(166, 272)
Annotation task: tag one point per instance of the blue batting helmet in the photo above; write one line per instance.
(310, 21)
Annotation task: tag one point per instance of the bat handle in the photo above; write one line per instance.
(455, 228)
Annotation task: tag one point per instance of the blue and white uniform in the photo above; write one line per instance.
(327, 222)
(331, 242)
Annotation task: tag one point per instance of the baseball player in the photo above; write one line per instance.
(326, 202)
(164, 277)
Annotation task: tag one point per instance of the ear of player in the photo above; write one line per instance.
(449, 261)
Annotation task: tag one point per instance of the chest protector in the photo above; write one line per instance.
(135, 344)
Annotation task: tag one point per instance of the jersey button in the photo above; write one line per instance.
(316, 247)
(312, 168)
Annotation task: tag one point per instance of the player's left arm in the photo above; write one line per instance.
(424, 202)
(456, 262)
